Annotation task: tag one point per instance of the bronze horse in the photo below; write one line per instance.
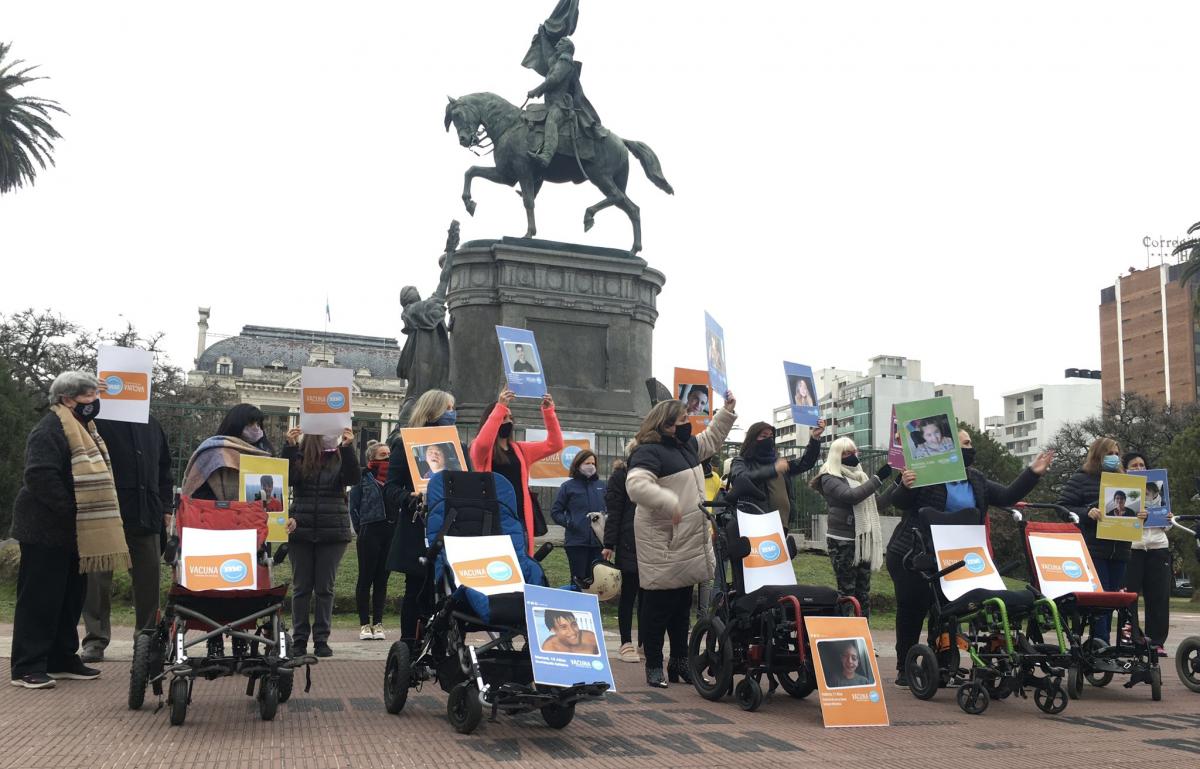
(509, 133)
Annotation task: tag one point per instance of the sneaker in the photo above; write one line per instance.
(91, 654)
(628, 654)
(321, 649)
(901, 681)
(299, 648)
(365, 634)
(34, 681)
(377, 632)
(75, 670)
(1160, 651)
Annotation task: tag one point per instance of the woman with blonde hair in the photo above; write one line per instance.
(674, 549)
(854, 536)
(435, 408)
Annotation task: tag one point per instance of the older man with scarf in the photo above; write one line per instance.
(68, 522)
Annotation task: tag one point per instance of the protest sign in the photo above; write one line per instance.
(1063, 564)
(126, 373)
(265, 480)
(487, 564)
(969, 544)
(325, 407)
(551, 471)
(1121, 498)
(769, 562)
(848, 679)
(522, 362)
(896, 447)
(218, 559)
(929, 439)
(714, 350)
(694, 388)
(430, 450)
(567, 639)
(1157, 503)
(802, 394)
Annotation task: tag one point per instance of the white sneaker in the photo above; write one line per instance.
(377, 632)
(628, 654)
(365, 634)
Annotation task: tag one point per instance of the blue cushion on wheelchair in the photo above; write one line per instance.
(1015, 601)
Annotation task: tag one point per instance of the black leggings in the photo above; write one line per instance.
(631, 594)
(665, 612)
(1149, 575)
(374, 539)
(913, 600)
(410, 608)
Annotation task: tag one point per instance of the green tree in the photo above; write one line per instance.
(1182, 462)
(26, 135)
(17, 416)
(1191, 263)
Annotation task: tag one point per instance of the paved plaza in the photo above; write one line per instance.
(342, 723)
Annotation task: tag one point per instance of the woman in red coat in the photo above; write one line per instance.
(495, 451)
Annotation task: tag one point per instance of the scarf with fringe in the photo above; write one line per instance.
(868, 531)
(99, 534)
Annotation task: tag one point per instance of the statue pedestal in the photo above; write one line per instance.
(592, 311)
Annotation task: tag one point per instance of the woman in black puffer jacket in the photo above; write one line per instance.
(619, 541)
(320, 468)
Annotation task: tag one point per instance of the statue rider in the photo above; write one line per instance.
(566, 106)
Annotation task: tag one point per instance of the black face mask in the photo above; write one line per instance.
(505, 430)
(850, 461)
(683, 432)
(87, 411)
(968, 456)
(764, 450)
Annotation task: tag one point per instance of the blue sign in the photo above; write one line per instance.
(1072, 569)
(499, 571)
(768, 550)
(115, 384)
(714, 352)
(1158, 500)
(802, 394)
(568, 455)
(974, 563)
(233, 571)
(335, 400)
(522, 364)
(566, 639)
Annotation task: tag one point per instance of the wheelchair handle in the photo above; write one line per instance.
(951, 568)
(543, 551)
(1063, 512)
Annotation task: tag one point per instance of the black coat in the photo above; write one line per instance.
(44, 510)
(319, 502)
(763, 473)
(618, 525)
(1080, 494)
(142, 472)
(408, 543)
(988, 493)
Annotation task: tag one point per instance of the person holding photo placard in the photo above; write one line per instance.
(213, 471)
(772, 474)
(1149, 569)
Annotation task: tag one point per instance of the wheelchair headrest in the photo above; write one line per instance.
(470, 504)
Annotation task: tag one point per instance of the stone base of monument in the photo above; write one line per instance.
(592, 311)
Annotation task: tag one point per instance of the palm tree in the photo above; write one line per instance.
(26, 135)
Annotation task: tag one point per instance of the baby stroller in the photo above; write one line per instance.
(251, 619)
(981, 622)
(756, 634)
(1187, 656)
(1094, 659)
(494, 671)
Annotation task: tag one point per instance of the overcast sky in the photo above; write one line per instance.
(953, 182)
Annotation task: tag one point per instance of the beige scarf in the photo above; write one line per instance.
(868, 531)
(99, 534)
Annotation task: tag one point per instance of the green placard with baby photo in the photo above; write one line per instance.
(929, 439)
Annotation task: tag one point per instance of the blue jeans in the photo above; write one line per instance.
(1112, 576)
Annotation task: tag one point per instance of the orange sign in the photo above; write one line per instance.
(847, 672)
(692, 386)
(488, 572)
(1057, 568)
(327, 400)
(126, 385)
(766, 551)
(977, 563)
(557, 464)
(219, 572)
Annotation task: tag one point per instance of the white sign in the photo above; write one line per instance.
(769, 562)
(1063, 564)
(487, 564)
(552, 471)
(967, 544)
(325, 407)
(126, 373)
(218, 559)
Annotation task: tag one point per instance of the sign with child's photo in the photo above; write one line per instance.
(566, 637)
(1121, 498)
(896, 446)
(694, 389)
(430, 450)
(802, 394)
(929, 441)
(848, 680)
(1158, 498)
(265, 480)
(522, 363)
(714, 351)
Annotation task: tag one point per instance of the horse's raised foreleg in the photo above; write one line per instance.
(489, 173)
(589, 216)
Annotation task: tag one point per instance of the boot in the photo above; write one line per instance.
(677, 670)
(654, 678)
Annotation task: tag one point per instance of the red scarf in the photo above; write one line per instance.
(378, 468)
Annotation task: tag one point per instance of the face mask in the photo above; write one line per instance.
(330, 442)
(1111, 463)
(683, 432)
(252, 434)
(87, 411)
(764, 450)
(587, 470)
(447, 419)
(850, 461)
(505, 430)
(968, 453)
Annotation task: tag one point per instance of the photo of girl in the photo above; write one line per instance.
(930, 436)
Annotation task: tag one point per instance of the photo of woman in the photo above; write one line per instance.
(803, 391)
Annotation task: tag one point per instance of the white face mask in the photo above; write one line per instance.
(587, 470)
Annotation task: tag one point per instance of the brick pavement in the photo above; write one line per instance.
(342, 723)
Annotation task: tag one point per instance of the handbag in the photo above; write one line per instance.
(539, 520)
(598, 521)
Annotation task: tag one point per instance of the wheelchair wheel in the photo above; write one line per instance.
(463, 708)
(972, 698)
(921, 669)
(710, 659)
(287, 679)
(178, 698)
(1050, 697)
(800, 686)
(749, 694)
(1099, 679)
(268, 697)
(1187, 662)
(1156, 683)
(558, 716)
(1074, 683)
(396, 677)
(139, 669)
